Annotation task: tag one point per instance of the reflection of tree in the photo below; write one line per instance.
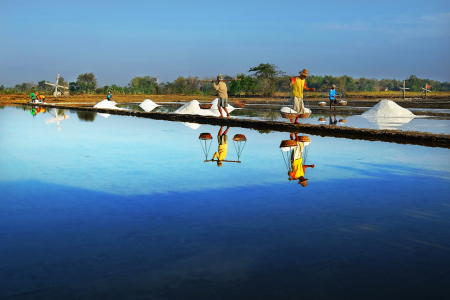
(86, 116)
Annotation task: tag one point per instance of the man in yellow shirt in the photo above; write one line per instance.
(298, 85)
(298, 169)
(221, 154)
(223, 95)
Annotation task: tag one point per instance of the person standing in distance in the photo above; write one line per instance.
(298, 85)
(333, 96)
(223, 95)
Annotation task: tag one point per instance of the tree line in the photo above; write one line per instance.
(265, 80)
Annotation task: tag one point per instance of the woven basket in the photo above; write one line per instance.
(322, 103)
(205, 136)
(304, 116)
(304, 138)
(205, 106)
(239, 137)
(322, 120)
(288, 143)
(342, 121)
(239, 103)
(343, 103)
(289, 116)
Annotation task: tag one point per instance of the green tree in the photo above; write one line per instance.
(87, 82)
(145, 84)
(266, 75)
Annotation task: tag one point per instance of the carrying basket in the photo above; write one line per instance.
(205, 136)
(239, 137)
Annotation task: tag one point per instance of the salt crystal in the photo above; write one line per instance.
(289, 110)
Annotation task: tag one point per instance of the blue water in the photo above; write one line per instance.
(126, 208)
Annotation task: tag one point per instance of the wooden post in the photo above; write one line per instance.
(403, 89)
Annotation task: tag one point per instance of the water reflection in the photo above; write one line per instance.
(36, 110)
(295, 154)
(86, 116)
(239, 141)
(58, 116)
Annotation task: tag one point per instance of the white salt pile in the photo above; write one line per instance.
(388, 115)
(107, 104)
(387, 109)
(193, 108)
(291, 111)
(148, 105)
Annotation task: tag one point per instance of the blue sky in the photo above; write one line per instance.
(117, 40)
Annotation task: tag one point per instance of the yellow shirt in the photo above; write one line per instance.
(222, 88)
(297, 88)
(297, 168)
(222, 154)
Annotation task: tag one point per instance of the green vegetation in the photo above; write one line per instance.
(266, 80)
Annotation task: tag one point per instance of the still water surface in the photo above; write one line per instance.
(119, 207)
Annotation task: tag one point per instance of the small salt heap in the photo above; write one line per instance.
(387, 114)
(148, 105)
(107, 104)
(193, 108)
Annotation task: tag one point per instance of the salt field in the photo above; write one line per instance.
(98, 206)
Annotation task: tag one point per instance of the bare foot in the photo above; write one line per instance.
(292, 120)
(221, 117)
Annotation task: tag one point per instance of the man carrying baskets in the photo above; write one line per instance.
(223, 95)
(298, 85)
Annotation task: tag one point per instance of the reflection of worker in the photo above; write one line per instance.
(333, 122)
(223, 95)
(223, 146)
(298, 169)
(332, 95)
(298, 85)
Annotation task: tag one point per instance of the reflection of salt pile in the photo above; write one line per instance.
(104, 115)
(148, 105)
(107, 104)
(388, 115)
(193, 108)
(289, 110)
(192, 125)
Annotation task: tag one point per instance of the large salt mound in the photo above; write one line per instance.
(148, 105)
(291, 111)
(107, 104)
(193, 108)
(387, 109)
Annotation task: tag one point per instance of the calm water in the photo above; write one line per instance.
(116, 207)
(419, 123)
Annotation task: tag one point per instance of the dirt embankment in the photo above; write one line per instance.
(440, 101)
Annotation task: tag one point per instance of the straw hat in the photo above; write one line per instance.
(303, 181)
(219, 76)
(334, 85)
(304, 73)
